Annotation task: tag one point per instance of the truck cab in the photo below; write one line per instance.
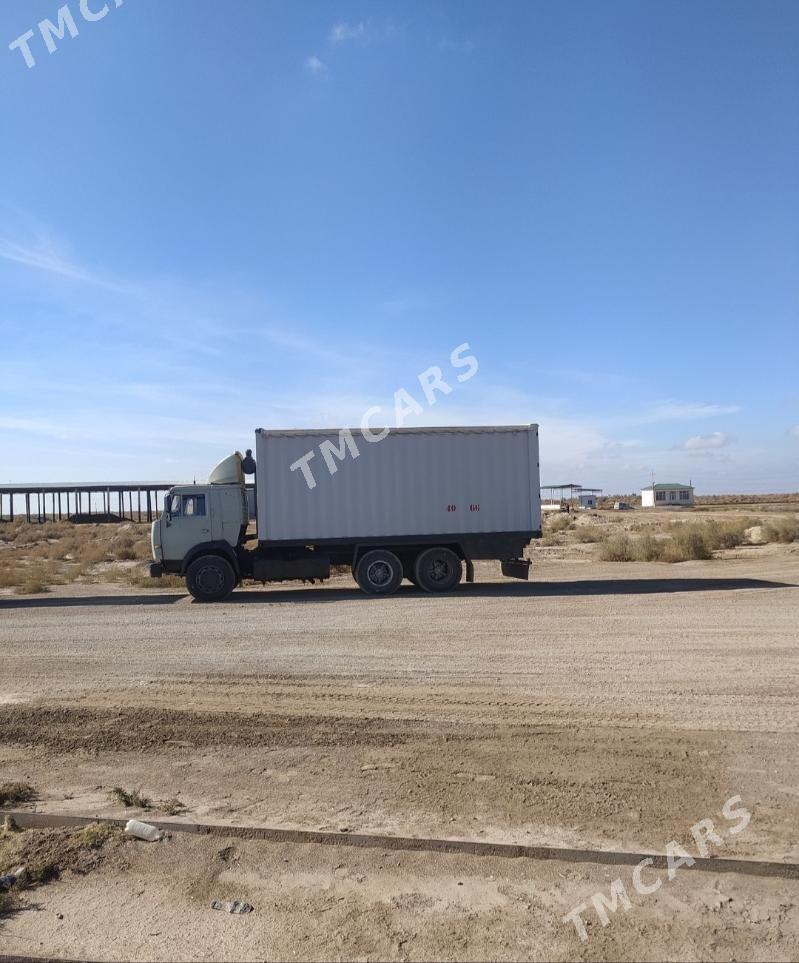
(204, 521)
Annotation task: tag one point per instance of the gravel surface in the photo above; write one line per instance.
(600, 705)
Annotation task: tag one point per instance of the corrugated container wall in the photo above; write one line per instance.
(424, 481)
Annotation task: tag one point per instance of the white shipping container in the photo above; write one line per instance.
(415, 481)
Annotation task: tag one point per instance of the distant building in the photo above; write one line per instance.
(567, 497)
(667, 493)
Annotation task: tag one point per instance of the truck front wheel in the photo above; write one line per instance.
(210, 578)
(379, 572)
(438, 570)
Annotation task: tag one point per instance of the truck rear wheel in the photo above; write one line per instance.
(438, 570)
(379, 572)
(210, 578)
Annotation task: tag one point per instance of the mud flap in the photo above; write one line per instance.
(516, 568)
(469, 569)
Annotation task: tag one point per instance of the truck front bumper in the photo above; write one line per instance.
(156, 570)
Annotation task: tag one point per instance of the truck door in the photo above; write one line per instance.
(228, 513)
(188, 523)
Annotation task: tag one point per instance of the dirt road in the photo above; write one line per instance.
(601, 705)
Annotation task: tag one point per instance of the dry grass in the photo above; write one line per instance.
(691, 543)
(784, 530)
(553, 526)
(32, 586)
(683, 546)
(557, 523)
(34, 557)
(589, 533)
(617, 548)
(721, 501)
(166, 581)
(647, 548)
(130, 798)
(728, 533)
(47, 854)
(16, 792)
(675, 541)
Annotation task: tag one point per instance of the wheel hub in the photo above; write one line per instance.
(379, 573)
(439, 570)
(210, 580)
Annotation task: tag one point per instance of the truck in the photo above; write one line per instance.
(420, 504)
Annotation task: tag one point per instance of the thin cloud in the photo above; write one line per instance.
(44, 257)
(683, 411)
(316, 67)
(298, 343)
(347, 32)
(710, 442)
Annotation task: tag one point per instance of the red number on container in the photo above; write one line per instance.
(452, 508)
(474, 508)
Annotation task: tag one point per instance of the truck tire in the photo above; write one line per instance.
(378, 572)
(210, 578)
(438, 570)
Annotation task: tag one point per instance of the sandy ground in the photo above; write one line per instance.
(600, 705)
(319, 903)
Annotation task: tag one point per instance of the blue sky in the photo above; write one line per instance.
(216, 217)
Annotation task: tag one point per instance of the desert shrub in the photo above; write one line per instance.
(647, 548)
(130, 798)
(617, 548)
(123, 548)
(784, 530)
(16, 792)
(35, 579)
(560, 523)
(687, 544)
(589, 533)
(92, 553)
(95, 835)
(8, 576)
(32, 585)
(728, 533)
(718, 536)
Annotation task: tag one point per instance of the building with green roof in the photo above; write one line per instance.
(665, 494)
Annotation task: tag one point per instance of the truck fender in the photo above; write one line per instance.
(224, 549)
